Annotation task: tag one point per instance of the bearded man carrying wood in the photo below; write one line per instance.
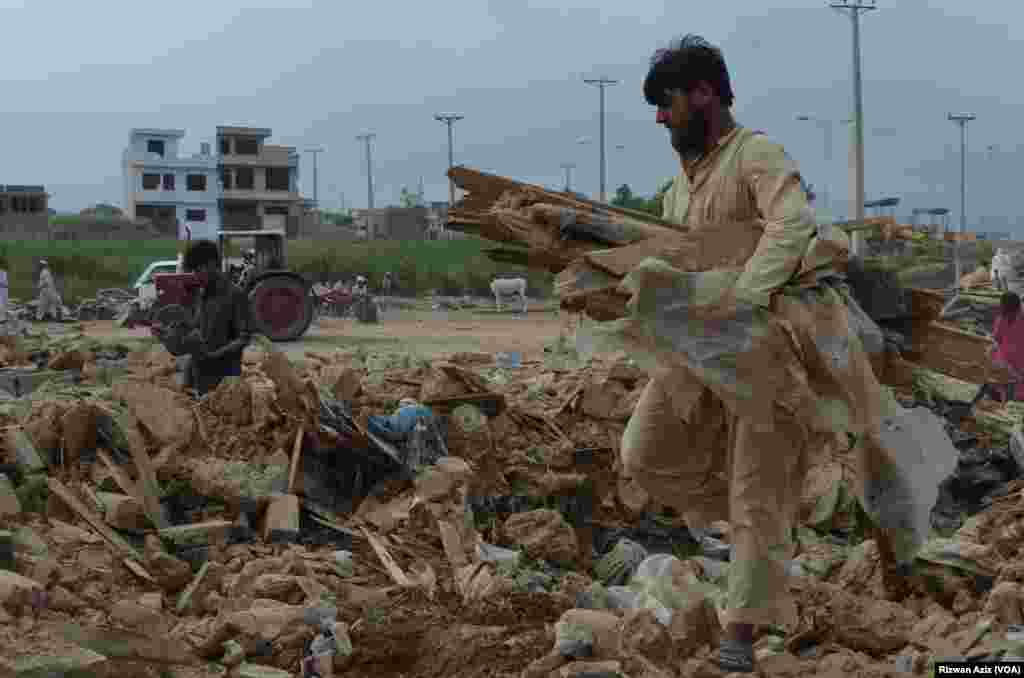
(690, 444)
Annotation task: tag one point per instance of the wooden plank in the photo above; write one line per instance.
(127, 645)
(139, 571)
(490, 187)
(68, 497)
(296, 458)
(122, 479)
(147, 489)
(955, 353)
(491, 404)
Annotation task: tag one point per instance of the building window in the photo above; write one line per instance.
(168, 182)
(155, 146)
(245, 178)
(195, 215)
(276, 209)
(277, 179)
(150, 182)
(225, 147)
(225, 179)
(3, 206)
(35, 205)
(196, 182)
(247, 146)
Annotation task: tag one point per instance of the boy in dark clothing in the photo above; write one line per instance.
(221, 329)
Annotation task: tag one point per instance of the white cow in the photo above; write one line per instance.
(508, 287)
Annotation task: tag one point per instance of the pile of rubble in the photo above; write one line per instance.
(109, 304)
(287, 524)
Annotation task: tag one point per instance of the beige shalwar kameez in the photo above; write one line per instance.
(687, 447)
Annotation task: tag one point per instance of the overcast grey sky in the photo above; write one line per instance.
(79, 75)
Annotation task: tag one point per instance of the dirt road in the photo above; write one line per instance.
(420, 332)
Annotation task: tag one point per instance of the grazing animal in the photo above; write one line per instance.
(509, 287)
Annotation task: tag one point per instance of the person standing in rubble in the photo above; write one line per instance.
(682, 445)
(221, 327)
(1007, 350)
(49, 299)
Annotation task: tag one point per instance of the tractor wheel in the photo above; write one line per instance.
(282, 307)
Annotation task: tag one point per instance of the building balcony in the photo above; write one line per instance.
(269, 156)
(176, 197)
(253, 195)
(182, 162)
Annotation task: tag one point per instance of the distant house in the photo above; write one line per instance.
(180, 195)
(260, 182)
(404, 223)
(24, 212)
(103, 211)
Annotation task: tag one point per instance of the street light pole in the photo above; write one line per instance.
(450, 120)
(316, 182)
(961, 119)
(369, 167)
(855, 8)
(826, 126)
(568, 167)
(601, 83)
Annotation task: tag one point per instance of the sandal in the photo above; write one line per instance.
(736, 657)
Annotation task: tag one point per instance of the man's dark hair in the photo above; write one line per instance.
(684, 64)
(201, 253)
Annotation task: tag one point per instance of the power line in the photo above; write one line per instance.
(601, 83)
(854, 9)
(369, 167)
(450, 120)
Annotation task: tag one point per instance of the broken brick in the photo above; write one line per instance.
(123, 512)
(206, 580)
(281, 520)
(9, 503)
(213, 532)
(544, 533)
(24, 450)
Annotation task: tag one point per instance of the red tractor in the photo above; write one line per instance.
(282, 301)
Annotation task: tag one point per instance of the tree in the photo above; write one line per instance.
(409, 199)
(624, 197)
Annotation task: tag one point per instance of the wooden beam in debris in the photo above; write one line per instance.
(955, 353)
(589, 272)
(65, 494)
(485, 189)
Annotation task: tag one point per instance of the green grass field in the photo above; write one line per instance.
(451, 267)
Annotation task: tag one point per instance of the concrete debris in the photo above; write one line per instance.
(543, 534)
(297, 541)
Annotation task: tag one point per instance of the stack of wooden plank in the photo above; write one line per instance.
(529, 217)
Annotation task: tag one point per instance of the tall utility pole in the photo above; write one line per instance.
(316, 182)
(568, 167)
(961, 119)
(369, 167)
(855, 8)
(450, 120)
(601, 83)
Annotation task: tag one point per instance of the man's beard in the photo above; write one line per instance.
(691, 142)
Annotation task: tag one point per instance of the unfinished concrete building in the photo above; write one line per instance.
(260, 182)
(24, 212)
